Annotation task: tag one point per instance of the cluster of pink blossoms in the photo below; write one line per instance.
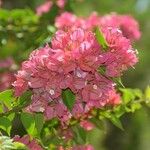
(72, 61)
(47, 5)
(127, 24)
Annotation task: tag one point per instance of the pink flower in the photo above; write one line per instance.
(88, 126)
(47, 5)
(72, 62)
(114, 98)
(127, 24)
(7, 63)
(60, 3)
(6, 80)
(44, 8)
(31, 144)
(68, 20)
(120, 54)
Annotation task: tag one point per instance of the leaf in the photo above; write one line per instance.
(127, 95)
(147, 95)
(118, 81)
(98, 123)
(33, 123)
(7, 98)
(19, 146)
(116, 122)
(5, 124)
(25, 98)
(100, 38)
(68, 98)
(28, 122)
(135, 106)
(80, 135)
(119, 110)
(39, 121)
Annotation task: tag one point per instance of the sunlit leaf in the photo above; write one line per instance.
(28, 122)
(100, 38)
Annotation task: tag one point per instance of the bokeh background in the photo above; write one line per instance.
(26, 32)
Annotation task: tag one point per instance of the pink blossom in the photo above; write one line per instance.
(66, 20)
(60, 3)
(72, 61)
(120, 54)
(87, 125)
(7, 63)
(1, 3)
(44, 8)
(47, 5)
(127, 24)
(6, 80)
(31, 144)
(114, 98)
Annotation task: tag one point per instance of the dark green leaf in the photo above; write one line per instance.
(39, 121)
(80, 135)
(5, 124)
(25, 98)
(118, 81)
(116, 122)
(68, 98)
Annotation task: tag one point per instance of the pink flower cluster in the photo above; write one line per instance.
(47, 5)
(127, 24)
(31, 144)
(73, 61)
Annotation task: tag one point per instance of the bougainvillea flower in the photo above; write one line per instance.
(72, 61)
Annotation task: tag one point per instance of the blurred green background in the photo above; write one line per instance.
(23, 39)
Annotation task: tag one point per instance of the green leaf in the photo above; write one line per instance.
(25, 98)
(98, 123)
(19, 146)
(33, 123)
(127, 95)
(80, 135)
(68, 98)
(100, 38)
(119, 110)
(115, 120)
(118, 81)
(28, 122)
(7, 99)
(5, 124)
(39, 121)
(135, 106)
(147, 95)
